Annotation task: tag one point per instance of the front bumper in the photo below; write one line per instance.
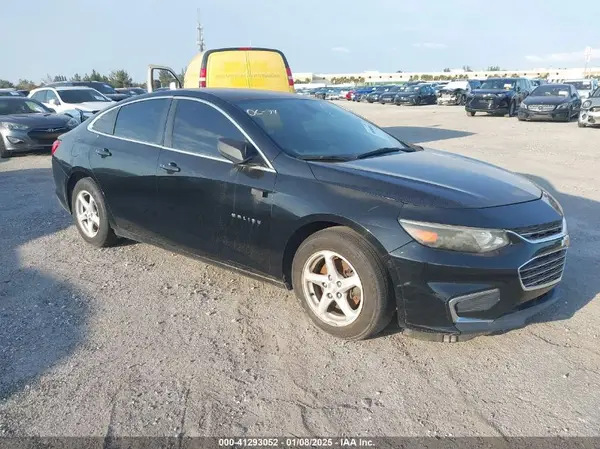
(589, 117)
(448, 101)
(488, 104)
(446, 293)
(404, 100)
(556, 114)
(22, 141)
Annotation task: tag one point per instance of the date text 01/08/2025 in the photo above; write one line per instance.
(296, 442)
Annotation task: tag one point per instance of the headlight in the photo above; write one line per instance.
(14, 126)
(586, 104)
(522, 106)
(563, 106)
(456, 238)
(553, 201)
(72, 123)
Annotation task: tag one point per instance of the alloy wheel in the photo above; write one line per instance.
(86, 212)
(332, 288)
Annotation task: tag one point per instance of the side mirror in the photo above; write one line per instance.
(236, 151)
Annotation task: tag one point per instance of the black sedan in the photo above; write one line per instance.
(27, 125)
(551, 102)
(416, 95)
(308, 195)
(388, 97)
(498, 96)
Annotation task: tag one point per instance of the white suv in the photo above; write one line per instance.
(77, 101)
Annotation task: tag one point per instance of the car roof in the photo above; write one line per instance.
(67, 87)
(233, 95)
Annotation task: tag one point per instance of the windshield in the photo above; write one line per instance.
(81, 95)
(104, 88)
(412, 89)
(580, 85)
(312, 129)
(18, 106)
(551, 90)
(505, 84)
(596, 93)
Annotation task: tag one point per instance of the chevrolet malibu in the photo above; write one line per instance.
(361, 225)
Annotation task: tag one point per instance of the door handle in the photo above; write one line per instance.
(103, 152)
(171, 167)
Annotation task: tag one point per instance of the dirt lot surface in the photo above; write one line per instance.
(136, 340)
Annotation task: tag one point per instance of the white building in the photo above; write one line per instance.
(386, 77)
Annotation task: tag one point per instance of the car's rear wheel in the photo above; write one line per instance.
(89, 213)
(342, 284)
(462, 100)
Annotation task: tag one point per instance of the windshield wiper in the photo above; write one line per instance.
(379, 152)
(326, 158)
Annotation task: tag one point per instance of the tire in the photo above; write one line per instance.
(580, 124)
(98, 232)
(3, 153)
(471, 113)
(462, 100)
(512, 109)
(569, 116)
(363, 318)
(418, 101)
(520, 119)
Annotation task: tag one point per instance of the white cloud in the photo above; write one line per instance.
(574, 56)
(430, 45)
(341, 49)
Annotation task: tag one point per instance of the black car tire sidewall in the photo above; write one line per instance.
(378, 307)
(3, 153)
(512, 108)
(105, 236)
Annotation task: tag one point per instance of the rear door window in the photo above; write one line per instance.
(143, 121)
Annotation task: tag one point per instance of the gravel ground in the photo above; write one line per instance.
(135, 340)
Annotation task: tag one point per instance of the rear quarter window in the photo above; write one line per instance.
(106, 122)
(143, 121)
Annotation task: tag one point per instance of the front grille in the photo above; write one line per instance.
(542, 107)
(479, 103)
(543, 271)
(46, 136)
(538, 232)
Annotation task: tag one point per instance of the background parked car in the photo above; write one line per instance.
(374, 95)
(551, 102)
(498, 96)
(10, 92)
(131, 90)
(584, 86)
(27, 125)
(590, 110)
(104, 88)
(416, 95)
(360, 94)
(388, 97)
(77, 101)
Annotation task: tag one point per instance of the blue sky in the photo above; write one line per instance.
(66, 36)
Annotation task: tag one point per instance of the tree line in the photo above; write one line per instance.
(116, 78)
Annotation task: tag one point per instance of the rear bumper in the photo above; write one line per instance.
(60, 182)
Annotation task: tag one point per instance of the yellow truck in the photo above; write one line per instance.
(243, 68)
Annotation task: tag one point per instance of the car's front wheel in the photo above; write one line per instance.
(3, 153)
(580, 124)
(342, 284)
(89, 213)
(471, 113)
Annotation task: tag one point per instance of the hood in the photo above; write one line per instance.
(491, 91)
(34, 120)
(91, 105)
(455, 90)
(584, 93)
(554, 100)
(431, 178)
(390, 94)
(117, 97)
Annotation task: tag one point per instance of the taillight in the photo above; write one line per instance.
(55, 146)
(290, 77)
(202, 82)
